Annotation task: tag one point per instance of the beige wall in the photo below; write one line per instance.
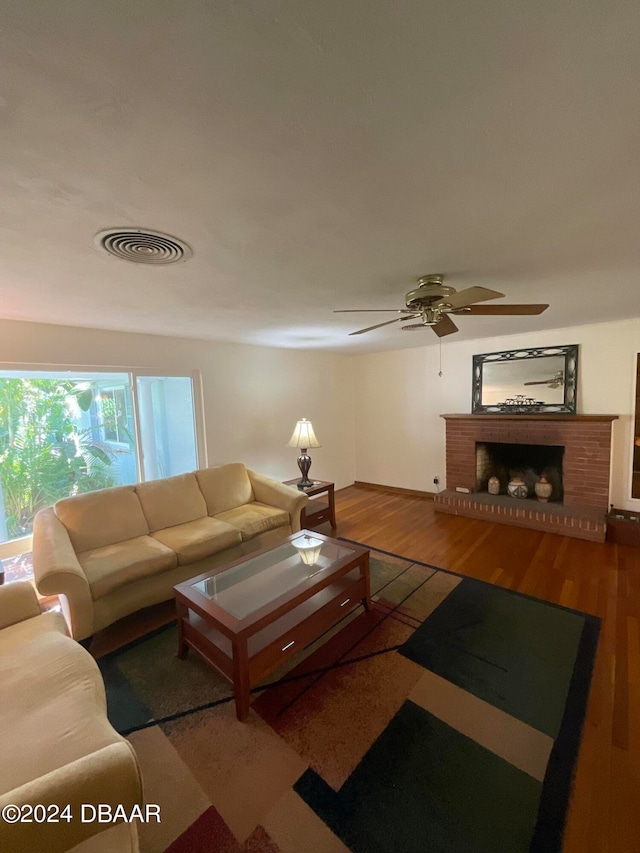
(252, 395)
(400, 397)
(392, 401)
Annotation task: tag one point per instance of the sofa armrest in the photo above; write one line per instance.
(109, 775)
(58, 572)
(18, 601)
(273, 493)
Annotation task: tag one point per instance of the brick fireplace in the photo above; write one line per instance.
(579, 446)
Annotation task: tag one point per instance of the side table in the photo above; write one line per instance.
(317, 511)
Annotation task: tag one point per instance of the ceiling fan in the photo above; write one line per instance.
(554, 381)
(433, 302)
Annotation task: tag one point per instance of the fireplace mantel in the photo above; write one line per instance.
(587, 457)
(533, 417)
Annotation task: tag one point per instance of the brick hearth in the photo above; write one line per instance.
(587, 456)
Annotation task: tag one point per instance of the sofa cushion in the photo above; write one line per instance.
(254, 518)
(102, 518)
(174, 500)
(113, 566)
(198, 539)
(225, 487)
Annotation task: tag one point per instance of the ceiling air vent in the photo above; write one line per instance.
(143, 247)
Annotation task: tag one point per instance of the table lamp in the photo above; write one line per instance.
(304, 437)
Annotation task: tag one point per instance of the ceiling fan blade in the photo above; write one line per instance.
(543, 382)
(368, 310)
(470, 295)
(379, 325)
(446, 326)
(485, 310)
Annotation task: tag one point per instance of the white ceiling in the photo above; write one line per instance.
(319, 155)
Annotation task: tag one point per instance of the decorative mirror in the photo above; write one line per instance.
(526, 381)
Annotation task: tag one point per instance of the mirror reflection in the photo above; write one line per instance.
(540, 380)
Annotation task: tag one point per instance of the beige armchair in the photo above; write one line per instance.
(58, 747)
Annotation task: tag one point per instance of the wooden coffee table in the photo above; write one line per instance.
(249, 617)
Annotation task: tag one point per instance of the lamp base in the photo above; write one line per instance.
(305, 484)
(304, 463)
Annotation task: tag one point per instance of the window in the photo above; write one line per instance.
(116, 414)
(68, 431)
(167, 425)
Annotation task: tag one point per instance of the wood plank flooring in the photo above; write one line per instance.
(602, 579)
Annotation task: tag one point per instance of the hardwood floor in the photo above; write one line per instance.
(602, 579)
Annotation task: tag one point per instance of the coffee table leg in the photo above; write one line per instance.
(241, 684)
(181, 611)
(367, 583)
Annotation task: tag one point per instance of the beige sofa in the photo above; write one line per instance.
(58, 747)
(111, 552)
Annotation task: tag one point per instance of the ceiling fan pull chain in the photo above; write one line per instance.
(440, 346)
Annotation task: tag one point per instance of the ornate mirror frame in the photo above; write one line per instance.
(495, 372)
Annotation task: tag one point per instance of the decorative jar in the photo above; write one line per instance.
(517, 488)
(493, 486)
(543, 489)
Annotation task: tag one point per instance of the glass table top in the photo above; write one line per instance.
(257, 581)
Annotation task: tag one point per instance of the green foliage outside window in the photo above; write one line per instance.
(44, 456)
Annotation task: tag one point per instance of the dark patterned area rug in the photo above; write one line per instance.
(446, 719)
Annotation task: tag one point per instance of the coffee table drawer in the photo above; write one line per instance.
(288, 635)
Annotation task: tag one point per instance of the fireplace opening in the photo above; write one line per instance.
(527, 461)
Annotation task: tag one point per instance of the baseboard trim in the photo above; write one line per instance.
(411, 493)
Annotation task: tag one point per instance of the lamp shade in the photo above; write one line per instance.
(304, 436)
